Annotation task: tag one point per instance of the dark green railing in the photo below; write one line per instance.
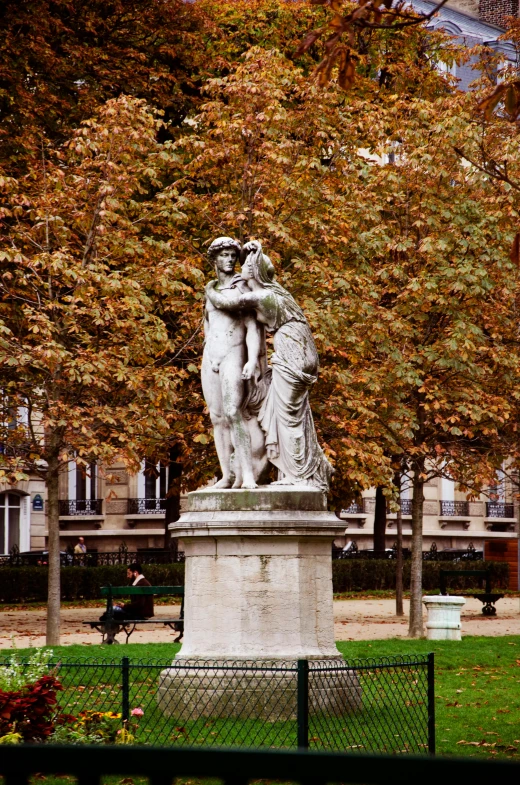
(384, 705)
(238, 767)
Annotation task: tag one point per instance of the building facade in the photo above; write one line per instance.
(449, 522)
(113, 508)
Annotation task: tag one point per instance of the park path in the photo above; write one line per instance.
(353, 620)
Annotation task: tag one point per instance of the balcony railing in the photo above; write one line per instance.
(356, 508)
(500, 510)
(406, 506)
(81, 507)
(146, 506)
(458, 509)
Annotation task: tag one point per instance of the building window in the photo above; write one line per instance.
(82, 482)
(151, 481)
(13, 522)
(447, 68)
(447, 490)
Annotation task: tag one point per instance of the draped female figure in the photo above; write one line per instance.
(285, 415)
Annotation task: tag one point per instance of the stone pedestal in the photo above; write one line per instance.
(443, 622)
(258, 583)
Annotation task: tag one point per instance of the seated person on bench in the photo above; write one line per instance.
(141, 607)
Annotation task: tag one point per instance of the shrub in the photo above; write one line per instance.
(23, 584)
(366, 575)
(18, 674)
(30, 711)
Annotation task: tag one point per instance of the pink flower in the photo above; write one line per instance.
(137, 712)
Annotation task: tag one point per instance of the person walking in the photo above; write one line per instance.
(80, 547)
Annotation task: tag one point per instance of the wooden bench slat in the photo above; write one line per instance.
(125, 591)
(110, 625)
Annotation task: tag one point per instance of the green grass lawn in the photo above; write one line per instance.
(477, 685)
(477, 690)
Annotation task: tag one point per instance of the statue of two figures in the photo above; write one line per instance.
(260, 414)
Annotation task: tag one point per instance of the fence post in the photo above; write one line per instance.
(303, 704)
(125, 670)
(431, 703)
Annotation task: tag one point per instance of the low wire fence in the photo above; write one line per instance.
(366, 706)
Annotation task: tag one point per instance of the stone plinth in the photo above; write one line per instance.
(248, 691)
(443, 622)
(258, 579)
(258, 589)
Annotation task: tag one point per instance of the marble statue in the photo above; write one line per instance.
(284, 413)
(233, 367)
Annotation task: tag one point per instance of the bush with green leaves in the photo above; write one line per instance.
(24, 584)
(16, 674)
(377, 574)
(28, 584)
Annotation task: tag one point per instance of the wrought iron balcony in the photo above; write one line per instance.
(356, 508)
(146, 506)
(500, 510)
(81, 507)
(406, 506)
(457, 509)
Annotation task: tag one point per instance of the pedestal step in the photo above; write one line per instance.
(192, 689)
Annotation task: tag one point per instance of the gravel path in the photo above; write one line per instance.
(353, 620)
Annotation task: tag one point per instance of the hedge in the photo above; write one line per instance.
(23, 584)
(366, 575)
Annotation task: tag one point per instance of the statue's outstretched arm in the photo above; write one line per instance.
(231, 301)
(254, 334)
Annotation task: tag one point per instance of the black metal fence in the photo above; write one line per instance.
(146, 506)
(448, 555)
(377, 706)
(69, 507)
(239, 767)
(500, 510)
(93, 558)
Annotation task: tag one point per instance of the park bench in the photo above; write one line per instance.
(487, 598)
(111, 626)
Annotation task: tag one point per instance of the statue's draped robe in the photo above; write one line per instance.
(285, 416)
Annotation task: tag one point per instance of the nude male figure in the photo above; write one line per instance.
(233, 345)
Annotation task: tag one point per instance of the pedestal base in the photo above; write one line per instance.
(258, 581)
(258, 588)
(247, 690)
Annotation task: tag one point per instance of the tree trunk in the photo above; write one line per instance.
(415, 629)
(518, 529)
(173, 497)
(53, 520)
(399, 611)
(380, 521)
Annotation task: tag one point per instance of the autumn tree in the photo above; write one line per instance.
(397, 251)
(86, 297)
(379, 231)
(491, 118)
(431, 312)
(62, 60)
